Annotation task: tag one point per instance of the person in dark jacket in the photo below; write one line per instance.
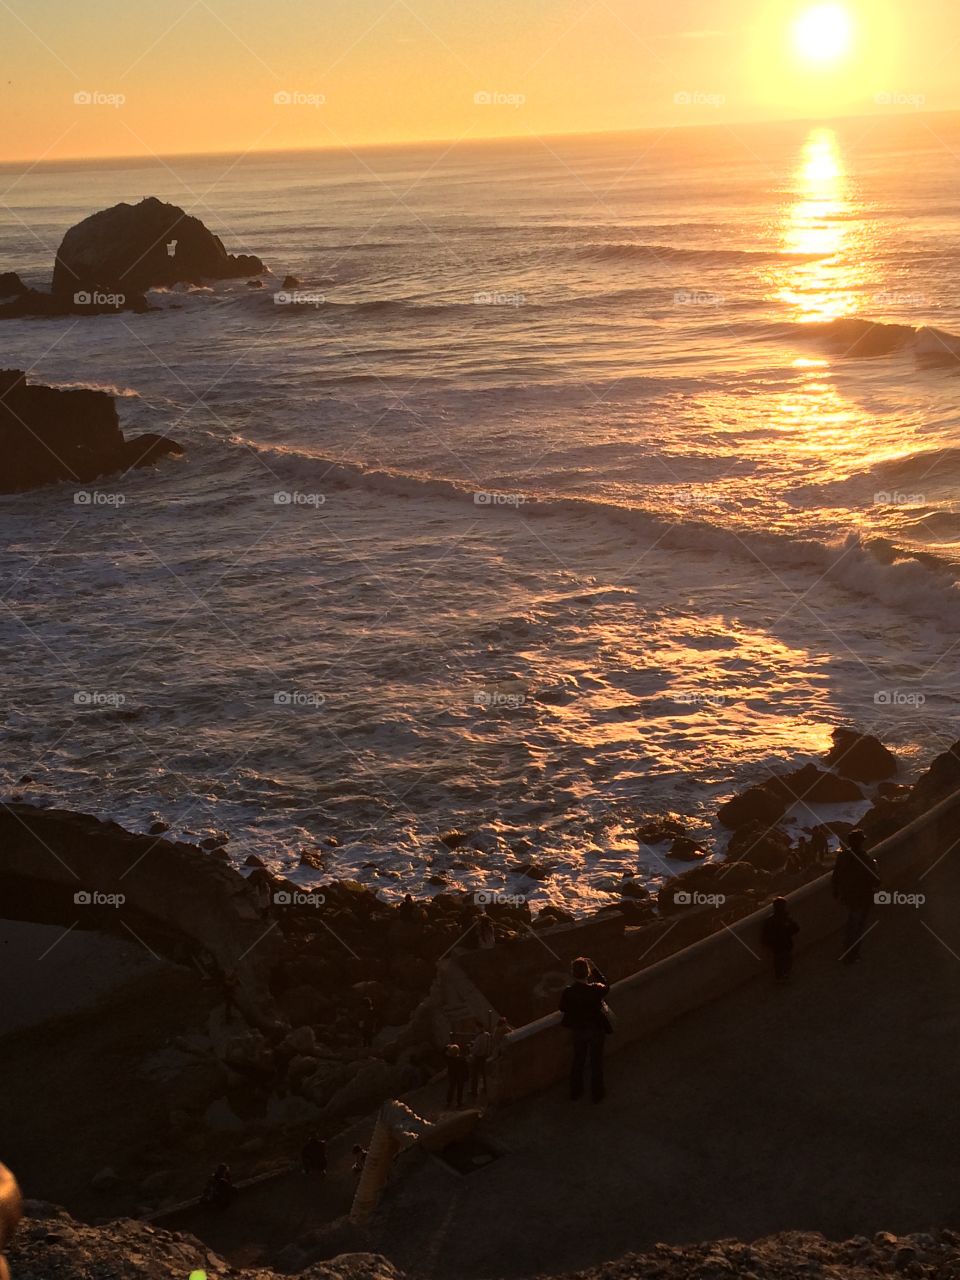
(777, 936)
(585, 1015)
(856, 880)
(458, 1073)
(219, 1193)
(313, 1157)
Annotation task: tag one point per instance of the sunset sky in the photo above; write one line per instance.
(177, 76)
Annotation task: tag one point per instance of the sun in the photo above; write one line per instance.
(823, 34)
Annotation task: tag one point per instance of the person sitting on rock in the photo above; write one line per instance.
(313, 1157)
(219, 1192)
(777, 936)
(458, 1072)
(856, 880)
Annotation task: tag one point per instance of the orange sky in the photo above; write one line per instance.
(178, 76)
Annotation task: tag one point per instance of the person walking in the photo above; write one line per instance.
(584, 1011)
(856, 879)
(779, 930)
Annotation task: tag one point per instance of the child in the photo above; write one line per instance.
(778, 933)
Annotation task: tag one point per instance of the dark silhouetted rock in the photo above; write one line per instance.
(860, 756)
(814, 786)
(49, 435)
(756, 804)
(763, 847)
(128, 249)
(11, 286)
(686, 850)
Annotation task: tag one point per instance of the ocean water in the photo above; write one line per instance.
(581, 480)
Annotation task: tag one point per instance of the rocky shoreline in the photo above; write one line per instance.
(50, 1245)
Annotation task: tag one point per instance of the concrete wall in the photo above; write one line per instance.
(537, 1055)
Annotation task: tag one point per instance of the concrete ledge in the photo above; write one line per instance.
(536, 1056)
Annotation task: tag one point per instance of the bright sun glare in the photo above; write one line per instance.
(823, 34)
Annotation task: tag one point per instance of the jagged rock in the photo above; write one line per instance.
(756, 804)
(814, 786)
(940, 779)
(49, 435)
(11, 286)
(131, 248)
(657, 830)
(289, 282)
(683, 849)
(860, 756)
(767, 848)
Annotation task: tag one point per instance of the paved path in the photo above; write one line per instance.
(829, 1105)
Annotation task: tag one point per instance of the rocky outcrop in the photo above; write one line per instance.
(51, 1245)
(49, 435)
(860, 756)
(129, 248)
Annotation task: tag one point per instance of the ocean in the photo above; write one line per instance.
(578, 480)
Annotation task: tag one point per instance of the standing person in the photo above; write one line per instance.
(480, 1051)
(856, 880)
(219, 1193)
(486, 934)
(777, 936)
(584, 1014)
(366, 1023)
(313, 1157)
(458, 1072)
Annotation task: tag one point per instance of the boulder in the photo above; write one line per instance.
(814, 786)
(683, 849)
(128, 249)
(49, 435)
(11, 286)
(767, 848)
(941, 779)
(756, 804)
(860, 756)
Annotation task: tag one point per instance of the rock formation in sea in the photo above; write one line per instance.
(49, 435)
(130, 248)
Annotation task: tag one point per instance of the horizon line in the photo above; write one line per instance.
(412, 143)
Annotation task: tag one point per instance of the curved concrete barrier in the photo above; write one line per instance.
(535, 1056)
